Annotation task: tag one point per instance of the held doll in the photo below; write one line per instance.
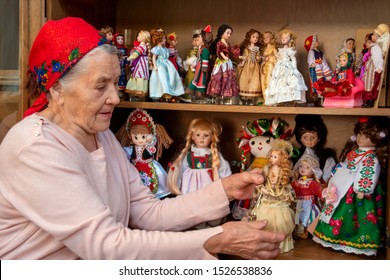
(189, 63)
(352, 217)
(276, 195)
(307, 190)
(287, 84)
(123, 54)
(165, 83)
(174, 56)
(198, 86)
(310, 132)
(222, 87)
(268, 60)
(139, 137)
(137, 86)
(318, 66)
(248, 71)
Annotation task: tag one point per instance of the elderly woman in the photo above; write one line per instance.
(67, 190)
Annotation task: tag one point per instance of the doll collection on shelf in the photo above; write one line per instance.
(306, 193)
(261, 70)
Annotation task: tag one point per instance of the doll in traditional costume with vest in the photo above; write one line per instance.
(140, 56)
(308, 191)
(352, 217)
(123, 53)
(268, 61)
(362, 58)
(107, 33)
(223, 87)
(143, 141)
(276, 197)
(375, 64)
(318, 66)
(348, 47)
(189, 63)
(200, 162)
(255, 142)
(248, 70)
(174, 55)
(287, 85)
(198, 86)
(310, 133)
(165, 83)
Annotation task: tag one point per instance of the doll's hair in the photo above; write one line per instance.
(220, 32)
(310, 123)
(285, 149)
(272, 37)
(157, 35)
(176, 168)
(207, 38)
(378, 130)
(171, 36)
(106, 29)
(146, 36)
(292, 35)
(247, 40)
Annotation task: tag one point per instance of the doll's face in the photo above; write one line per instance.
(363, 141)
(343, 60)
(119, 40)
(173, 42)
(254, 38)
(285, 38)
(202, 138)
(375, 37)
(140, 139)
(260, 146)
(163, 40)
(350, 45)
(305, 169)
(309, 139)
(267, 38)
(109, 36)
(226, 35)
(274, 158)
(316, 44)
(140, 38)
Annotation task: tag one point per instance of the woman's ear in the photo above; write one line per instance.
(56, 92)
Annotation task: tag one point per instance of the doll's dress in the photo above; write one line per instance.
(122, 82)
(223, 81)
(350, 224)
(287, 83)
(166, 79)
(320, 70)
(175, 58)
(275, 206)
(139, 70)
(248, 75)
(267, 65)
(191, 59)
(199, 82)
(151, 172)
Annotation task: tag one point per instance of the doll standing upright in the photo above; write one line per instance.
(268, 59)
(123, 53)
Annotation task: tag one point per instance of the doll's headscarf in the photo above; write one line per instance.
(59, 45)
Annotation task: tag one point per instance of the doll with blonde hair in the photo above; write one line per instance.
(268, 59)
(276, 196)
(138, 84)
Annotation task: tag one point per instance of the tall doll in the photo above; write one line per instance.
(223, 87)
(287, 83)
(308, 191)
(268, 59)
(138, 84)
(143, 141)
(248, 71)
(352, 217)
(189, 63)
(123, 54)
(198, 86)
(200, 162)
(276, 195)
(165, 83)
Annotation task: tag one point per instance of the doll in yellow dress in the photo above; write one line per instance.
(268, 59)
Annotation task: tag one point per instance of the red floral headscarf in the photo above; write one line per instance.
(59, 45)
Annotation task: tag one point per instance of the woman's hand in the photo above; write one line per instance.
(241, 185)
(247, 240)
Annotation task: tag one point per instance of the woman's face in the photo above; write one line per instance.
(86, 105)
(202, 138)
(309, 139)
(274, 158)
(254, 38)
(226, 35)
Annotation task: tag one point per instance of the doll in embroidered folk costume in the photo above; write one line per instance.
(276, 196)
(174, 55)
(362, 58)
(268, 61)
(189, 63)
(348, 47)
(318, 66)
(352, 217)
(200, 162)
(123, 54)
(248, 71)
(143, 141)
(137, 86)
(308, 190)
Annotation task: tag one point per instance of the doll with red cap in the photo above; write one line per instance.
(118, 40)
(318, 66)
(352, 216)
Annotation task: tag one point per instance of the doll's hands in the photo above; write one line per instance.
(247, 240)
(241, 185)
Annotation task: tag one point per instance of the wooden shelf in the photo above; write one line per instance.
(256, 109)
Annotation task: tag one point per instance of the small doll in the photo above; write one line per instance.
(174, 56)
(139, 138)
(307, 190)
(363, 56)
(348, 46)
(123, 54)
(200, 162)
(198, 86)
(352, 217)
(222, 88)
(165, 83)
(318, 66)
(248, 71)
(268, 59)
(189, 63)
(287, 83)
(310, 132)
(107, 33)
(276, 196)
(137, 86)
